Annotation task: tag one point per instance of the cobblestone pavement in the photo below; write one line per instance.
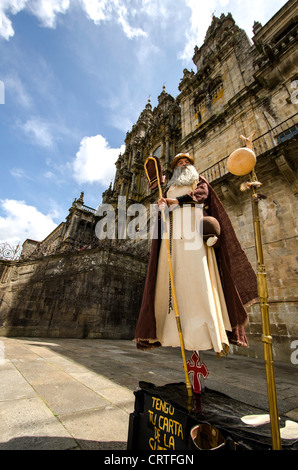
(77, 394)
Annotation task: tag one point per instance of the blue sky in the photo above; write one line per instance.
(75, 75)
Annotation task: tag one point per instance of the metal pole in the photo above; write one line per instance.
(264, 306)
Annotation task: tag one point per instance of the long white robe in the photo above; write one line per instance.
(201, 304)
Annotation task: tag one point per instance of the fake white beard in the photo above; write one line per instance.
(184, 176)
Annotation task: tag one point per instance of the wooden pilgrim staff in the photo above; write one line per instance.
(155, 181)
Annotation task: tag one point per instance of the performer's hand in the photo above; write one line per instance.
(171, 201)
(162, 203)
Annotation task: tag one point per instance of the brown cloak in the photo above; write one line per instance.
(238, 278)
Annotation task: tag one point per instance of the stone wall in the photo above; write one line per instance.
(279, 235)
(89, 294)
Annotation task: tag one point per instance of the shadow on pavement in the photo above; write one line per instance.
(58, 443)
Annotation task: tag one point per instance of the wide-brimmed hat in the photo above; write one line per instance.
(179, 156)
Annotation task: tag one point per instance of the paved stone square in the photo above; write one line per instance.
(60, 394)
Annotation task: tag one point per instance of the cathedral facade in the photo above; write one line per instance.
(238, 87)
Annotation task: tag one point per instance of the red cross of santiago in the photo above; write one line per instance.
(196, 369)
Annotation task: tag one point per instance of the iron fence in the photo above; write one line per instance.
(270, 139)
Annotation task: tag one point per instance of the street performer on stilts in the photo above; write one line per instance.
(214, 280)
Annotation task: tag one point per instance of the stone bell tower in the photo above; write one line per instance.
(156, 132)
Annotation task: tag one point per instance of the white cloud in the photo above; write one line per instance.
(153, 8)
(49, 174)
(129, 31)
(47, 10)
(13, 7)
(22, 221)
(107, 10)
(14, 85)
(201, 13)
(39, 132)
(45, 133)
(95, 161)
(97, 10)
(19, 173)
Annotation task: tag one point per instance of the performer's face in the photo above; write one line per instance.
(183, 162)
(184, 174)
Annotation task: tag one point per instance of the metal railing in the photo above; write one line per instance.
(88, 209)
(270, 139)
